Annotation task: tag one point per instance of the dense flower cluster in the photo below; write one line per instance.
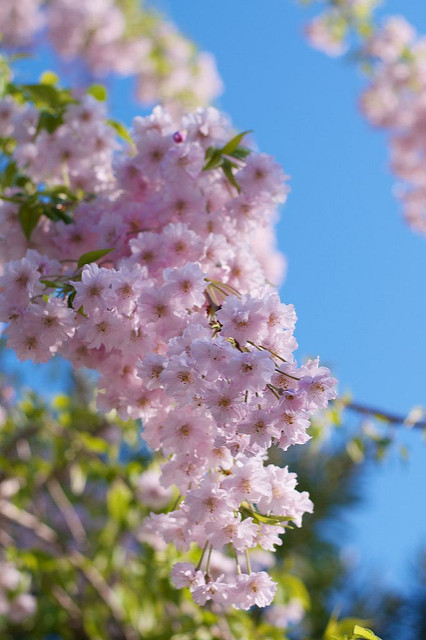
(396, 101)
(16, 604)
(112, 37)
(78, 152)
(330, 31)
(396, 96)
(187, 333)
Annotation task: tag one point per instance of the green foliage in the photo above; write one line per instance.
(92, 256)
(56, 203)
(345, 629)
(361, 632)
(98, 91)
(49, 77)
(92, 570)
(259, 518)
(37, 200)
(121, 130)
(220, 158)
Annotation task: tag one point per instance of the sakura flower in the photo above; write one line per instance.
(283, 498)
(151, 492)
(251, 370)
(254, 588)
(185, 430)
(262, 175)
(93, 288)
(216, 590)
(284, 615)
(186, 284)
(208, 503)
(179, 321)
(248, 482)
(150, 370)
(240, 533)
(243, 319)
(184, 574)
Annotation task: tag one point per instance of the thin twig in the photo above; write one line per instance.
(5, 539)
(103, 589)
(46, 534)
(225, 631)
(66, 602)
(70, 515)
(392, 418)
(28, 521)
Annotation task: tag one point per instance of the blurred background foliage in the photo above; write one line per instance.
(72, 507)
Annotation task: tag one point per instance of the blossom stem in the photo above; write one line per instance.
(177, 502)
(198, 567)
(286, 374)
(208, 559)
(247, 560)
(238, 562)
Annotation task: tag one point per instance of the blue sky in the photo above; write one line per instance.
(356, 272)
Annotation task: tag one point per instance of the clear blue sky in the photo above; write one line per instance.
(356, 272)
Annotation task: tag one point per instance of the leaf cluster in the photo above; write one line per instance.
(226, 158)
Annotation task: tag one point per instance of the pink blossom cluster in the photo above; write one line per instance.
(16, 604)
(396, 96)
(19, 21)
(284, 615)
(396, 101)
(330, 31)
(167, 67)
(78, 152)
(187, 333)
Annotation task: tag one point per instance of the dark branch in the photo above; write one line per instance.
(387, 416)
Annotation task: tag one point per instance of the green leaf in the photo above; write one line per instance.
(98, 91)
(29, 215)
(9, 175)
(260, 518)
(94, 444)
(227, 170)
(42, 94)
(240, 153)
(271, 519)
(234, 143)
(342, 629)
(366, 634)
(213, 159)
(51, 283)
(49, 121)
(16, 199)
(121, 130)
(49, 77)
(92, 256)
(61, 191)
(71, 299)
(56, 213)
(355, 450)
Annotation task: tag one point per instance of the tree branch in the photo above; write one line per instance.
(387, 416)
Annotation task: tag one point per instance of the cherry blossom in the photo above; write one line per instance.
(173, 308)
